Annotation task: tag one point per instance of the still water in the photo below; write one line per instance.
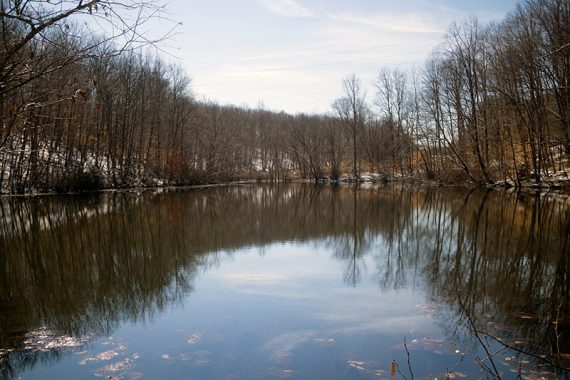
(296, 281)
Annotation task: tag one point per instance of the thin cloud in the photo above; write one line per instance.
(304, 74)
(289, 8)
(415, 23)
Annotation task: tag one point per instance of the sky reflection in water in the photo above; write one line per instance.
(311, 284)
(281, 311)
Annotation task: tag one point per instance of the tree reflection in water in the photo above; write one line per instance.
(79, 266)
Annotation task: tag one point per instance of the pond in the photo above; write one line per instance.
(291, 281)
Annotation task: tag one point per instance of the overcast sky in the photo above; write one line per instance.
(292, 55)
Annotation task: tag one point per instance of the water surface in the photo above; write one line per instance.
(296, 281)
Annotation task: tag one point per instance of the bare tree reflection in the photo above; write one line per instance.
(82, 265)
(505, 257)
(352, 245)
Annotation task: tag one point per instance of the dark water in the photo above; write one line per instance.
(303, 282)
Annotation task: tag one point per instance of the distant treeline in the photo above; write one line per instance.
(84, 111)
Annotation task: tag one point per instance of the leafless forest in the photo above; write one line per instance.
(87, 102)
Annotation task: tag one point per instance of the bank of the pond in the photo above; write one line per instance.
(558, 182)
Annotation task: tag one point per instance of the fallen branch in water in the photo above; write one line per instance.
(450, 372)
(556, 364)
(490, 355)
(409, 364)
(543, 358)
(397, 366)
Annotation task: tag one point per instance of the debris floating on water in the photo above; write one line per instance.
(44, 340)
(194, 338)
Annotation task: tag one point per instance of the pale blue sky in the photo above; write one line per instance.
(293, 54)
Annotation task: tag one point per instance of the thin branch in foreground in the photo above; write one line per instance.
(476, 332)
(450, 372)
(409, 364)
(525, 352)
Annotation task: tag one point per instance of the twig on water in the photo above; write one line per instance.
(494, 372)
(409, 364)
(522, 351)
(449, 372)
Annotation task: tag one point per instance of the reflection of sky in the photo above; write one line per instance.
(282, 310)
(304, 275)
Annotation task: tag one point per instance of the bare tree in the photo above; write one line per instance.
(335, 145)
(352, 110)
(391, 103)
(30, 28)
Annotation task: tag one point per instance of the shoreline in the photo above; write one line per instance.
(527, 187)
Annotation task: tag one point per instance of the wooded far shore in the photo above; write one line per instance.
(82, 109)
